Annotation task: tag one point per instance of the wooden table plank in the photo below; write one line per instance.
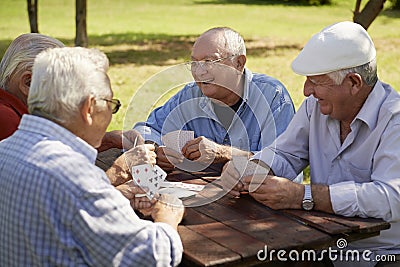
(271, 228)
(201, 251)
(334, 224)
(237, 241)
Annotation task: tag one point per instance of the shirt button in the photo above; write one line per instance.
(338, 157)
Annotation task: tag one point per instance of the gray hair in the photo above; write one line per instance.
(367, 71)
(21, 53)
(234, 42)
(63, 78)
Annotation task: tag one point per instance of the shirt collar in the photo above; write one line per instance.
(10, 100)
(53, 131)
(370, 110)
(247, 81)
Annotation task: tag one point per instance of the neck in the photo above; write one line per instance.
(237, 94)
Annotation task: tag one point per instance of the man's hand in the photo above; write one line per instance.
(120, 139)
(120, 171)
(167, 158)
(206, 151)
(129, 190)
(274, 192)
(168, 209)
(230, 180)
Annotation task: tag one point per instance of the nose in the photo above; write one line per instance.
(308, 88)
(198, 72)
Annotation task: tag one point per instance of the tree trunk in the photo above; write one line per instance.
(81, 38)
(369, 13)
(32, 13)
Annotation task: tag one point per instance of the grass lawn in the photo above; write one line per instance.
(143, 38)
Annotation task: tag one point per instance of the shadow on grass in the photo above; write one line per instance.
(259, 2)
(391, 13)
(157, 49)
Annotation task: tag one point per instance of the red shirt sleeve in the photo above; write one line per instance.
(9, 121)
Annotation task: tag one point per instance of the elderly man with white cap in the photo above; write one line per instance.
(348, 131)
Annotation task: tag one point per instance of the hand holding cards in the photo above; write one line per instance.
(149, 178)
(248, 168)
(176, 140)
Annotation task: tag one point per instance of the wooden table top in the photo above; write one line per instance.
(220, 230)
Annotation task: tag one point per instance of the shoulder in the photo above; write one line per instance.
(189, 91)
(271, 88)
(266, 81)
(267, 84)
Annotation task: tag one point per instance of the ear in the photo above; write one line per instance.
(25, 83)
(356, 83)
(241, 62)
(87, 109)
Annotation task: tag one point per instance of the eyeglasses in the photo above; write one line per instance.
(115, 104)
(204, 64)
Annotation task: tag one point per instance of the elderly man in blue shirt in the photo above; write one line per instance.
(232, 111)
(57, 208)
(347, 131)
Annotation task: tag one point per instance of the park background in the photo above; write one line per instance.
(144, 38)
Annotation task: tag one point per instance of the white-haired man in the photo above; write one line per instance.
(347, 130)
(58, 208)
(232, 111)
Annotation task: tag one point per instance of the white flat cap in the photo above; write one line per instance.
(339, 46)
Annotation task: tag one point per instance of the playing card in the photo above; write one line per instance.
(176, 140)
(178, 192)
(247, 168)
(149, 178)
(187, 186)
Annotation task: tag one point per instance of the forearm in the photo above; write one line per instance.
(354, 199)
(225, 154)
(321, 196)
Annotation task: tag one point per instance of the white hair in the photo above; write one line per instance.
(63, 78)
(21, 53)
(367, 71)
(234, 42)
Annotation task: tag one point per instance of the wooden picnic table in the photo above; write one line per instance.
(231, 231)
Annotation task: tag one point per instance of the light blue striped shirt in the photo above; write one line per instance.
(58, 209)
(264, 114)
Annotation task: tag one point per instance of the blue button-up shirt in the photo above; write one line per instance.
(265, 112)
(363, 173)
(58, 209)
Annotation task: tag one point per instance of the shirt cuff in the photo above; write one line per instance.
(344, 198)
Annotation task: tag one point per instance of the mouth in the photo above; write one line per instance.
(209, 81)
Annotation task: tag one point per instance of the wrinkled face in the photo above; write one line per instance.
(336, 101)
(102, 114)
(217, 80)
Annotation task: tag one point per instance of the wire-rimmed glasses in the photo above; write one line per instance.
(204, 64)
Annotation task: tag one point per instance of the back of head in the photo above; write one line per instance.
(63, 78)
(232, 41)
(21, 53)
(340, 46)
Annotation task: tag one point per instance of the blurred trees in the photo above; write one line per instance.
(32, 14)
(81, 38)
(370, 11)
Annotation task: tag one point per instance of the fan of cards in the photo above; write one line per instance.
(176, 140)
(247, 168)
(149, 178)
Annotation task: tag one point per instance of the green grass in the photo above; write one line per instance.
(143, 38)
